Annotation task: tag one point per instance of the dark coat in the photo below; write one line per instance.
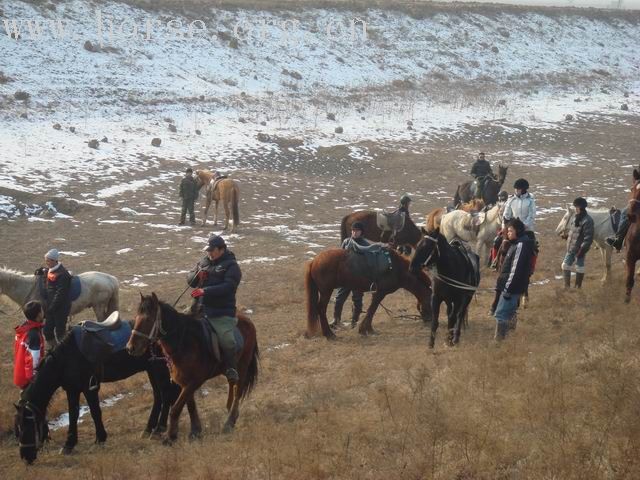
(481, 168)
(514, 276)
(580, 234)
(223, 278)
(58, 284)
(188, 189)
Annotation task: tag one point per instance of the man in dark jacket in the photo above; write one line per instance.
(58, 304)
(578, 243)
(357, 230)
(189, 194)
(480, 170)
(217, 277)
(514, 276)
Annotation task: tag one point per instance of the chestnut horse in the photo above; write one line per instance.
(330, 269)
(409, 235)
(181, 339)
(227, 191)
(434, 217)
(633, 235)
(491, 189)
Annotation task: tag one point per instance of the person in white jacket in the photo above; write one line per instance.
(522, 205)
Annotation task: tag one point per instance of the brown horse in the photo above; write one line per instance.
(409, 235)
(632, 239)
(434, 217)
(227, 191)
(491, 189)
(181, 339)
(330, 269)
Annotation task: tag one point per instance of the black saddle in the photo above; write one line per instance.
(615, 215)
(371, 262)
(473, 261)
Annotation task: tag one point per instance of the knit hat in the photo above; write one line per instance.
(53, 254)
(215, 241)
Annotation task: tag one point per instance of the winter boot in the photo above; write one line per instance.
(230, 365)
(579, 278)
(567, 279)
(337, 316)
(501, 331)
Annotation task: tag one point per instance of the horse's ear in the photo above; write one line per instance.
(141, 296)
(155, 297)
(636, 174)
(422, 229)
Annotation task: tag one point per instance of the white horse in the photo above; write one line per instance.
(98, 291)
(478, 229)
(602, 229)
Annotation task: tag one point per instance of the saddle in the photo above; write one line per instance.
(473, 261)
(391, 222)
(215, 181)
(615, 215)
(371, 262)
(97, 340)
(75, 288)
(212, 342)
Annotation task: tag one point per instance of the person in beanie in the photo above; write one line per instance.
(579, 242)
(357, 229)
(514, 276)
(215, 279)
(29, 345)
(189, 194)
(58, 305)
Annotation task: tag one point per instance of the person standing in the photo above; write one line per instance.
(578, 243)
(28, 345)
(189, 194)
(58, 303)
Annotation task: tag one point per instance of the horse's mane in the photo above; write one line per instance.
(4, 269)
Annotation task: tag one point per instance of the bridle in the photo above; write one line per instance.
(436, 250)
(157, 332)
(38, 425)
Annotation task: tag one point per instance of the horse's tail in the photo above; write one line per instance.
(312, 300)
(343, 227)
(235, 201)
(114, 301)
(434, 218)
(252, 373)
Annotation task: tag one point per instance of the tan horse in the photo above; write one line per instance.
(434, 217)
(225, 190)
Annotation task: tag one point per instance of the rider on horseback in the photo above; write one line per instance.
(357, 231)
(217, 277)
(481, 170)
(617, 240)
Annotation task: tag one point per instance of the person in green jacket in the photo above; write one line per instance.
(188, 193)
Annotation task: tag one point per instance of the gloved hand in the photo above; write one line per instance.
(198, 292)
(202, 275)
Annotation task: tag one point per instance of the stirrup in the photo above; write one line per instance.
(94, 384)
(232, 375)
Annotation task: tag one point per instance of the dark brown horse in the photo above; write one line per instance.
(633, 235)
(490, 193)
(409, 235)
(181, 338)
(330, 269)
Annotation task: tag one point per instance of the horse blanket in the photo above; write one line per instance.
(371, 262)
(97, 344)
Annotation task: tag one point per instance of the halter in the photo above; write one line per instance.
(38, 426)
(157, 332)
(452, 282)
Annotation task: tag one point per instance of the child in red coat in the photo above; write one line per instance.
(29, 345)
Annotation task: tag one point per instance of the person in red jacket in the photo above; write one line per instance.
(29, 345)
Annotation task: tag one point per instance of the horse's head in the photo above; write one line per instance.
(147, 325)
(565, 224)
(502, 173)
(426, 251)
(31, 430)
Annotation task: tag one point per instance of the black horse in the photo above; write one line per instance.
(490, 191)
(66, 367)
(455, 280)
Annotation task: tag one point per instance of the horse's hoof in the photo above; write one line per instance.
(432, 343)
(99, 441)
(167, 442)
(66, 450)
(627, 298)
(195, 435)
(331, 336)
(228, 428)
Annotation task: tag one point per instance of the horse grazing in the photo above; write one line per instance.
(225, 190)
(434, 217)
(632, 239)
(454, 283)
(330, 269)
(66, 367)
(182, 339)
(98, 291)
(479, 229)
(408, 235)
(490, 193)
(602, 228)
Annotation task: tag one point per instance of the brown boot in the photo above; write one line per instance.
(567, 279)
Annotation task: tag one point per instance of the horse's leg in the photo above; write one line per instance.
(366, 325)
(206, 208)
(435, 308)
(461, 318)
(234, 412)
(215, 221)
(323, 303)
(227, 213)
(152, 422)
(96, 414)
(606, 257)
(196, 425)
(176, 410)
(631, 270)
(170, 393)
(73, 401)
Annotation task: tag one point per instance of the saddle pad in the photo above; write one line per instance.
(75, 289)
(372, 265)
(393, 222)
(97, 346)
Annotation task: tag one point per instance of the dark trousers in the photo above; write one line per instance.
(187, 205)
(341, 297)
(55, 323)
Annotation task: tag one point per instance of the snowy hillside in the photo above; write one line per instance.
(209, 83)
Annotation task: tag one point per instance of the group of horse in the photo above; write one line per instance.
(169, 345)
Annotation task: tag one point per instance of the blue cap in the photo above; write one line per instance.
(215, 241)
